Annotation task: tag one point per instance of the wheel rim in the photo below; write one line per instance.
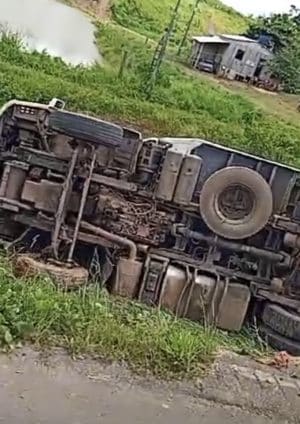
(236, 203)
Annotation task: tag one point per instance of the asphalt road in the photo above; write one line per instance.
(32, 392)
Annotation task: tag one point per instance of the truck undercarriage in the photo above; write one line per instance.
(204, 231)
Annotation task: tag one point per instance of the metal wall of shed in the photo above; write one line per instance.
(247, 66)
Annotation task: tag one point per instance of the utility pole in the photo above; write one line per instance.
(160, 51)
(188, 27)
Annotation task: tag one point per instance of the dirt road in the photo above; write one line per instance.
(100, 8)
(60, 391)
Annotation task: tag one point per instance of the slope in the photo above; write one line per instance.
(149, 17)
(181, 104)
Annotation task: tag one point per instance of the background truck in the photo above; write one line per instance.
(207, 232)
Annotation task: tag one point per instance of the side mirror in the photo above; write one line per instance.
(57, 104)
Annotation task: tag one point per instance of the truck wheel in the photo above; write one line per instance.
(236, 202)
(64, 276)
(283, 322)
(279, 342)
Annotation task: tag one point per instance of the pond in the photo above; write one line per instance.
(52, 26)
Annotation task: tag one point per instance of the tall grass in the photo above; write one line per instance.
(89, 322)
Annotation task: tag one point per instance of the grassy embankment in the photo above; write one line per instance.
(90, 322)
(34, 311)
(149, 17)
(181, 105)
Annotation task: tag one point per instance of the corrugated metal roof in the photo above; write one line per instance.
(210, 39)
(238, 38)
(223, 39)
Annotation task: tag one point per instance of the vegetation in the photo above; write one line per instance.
(286, 65)
(181, 104)
(89, 322)
(150, 17)
(283, 31)
(280, 27)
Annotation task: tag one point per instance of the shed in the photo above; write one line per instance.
(234, 56)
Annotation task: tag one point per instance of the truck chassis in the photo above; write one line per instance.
(206, 232)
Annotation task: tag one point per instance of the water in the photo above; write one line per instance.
(49, 25)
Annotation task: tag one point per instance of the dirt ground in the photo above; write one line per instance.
(283, 105)
(35, 389)
(99, 8)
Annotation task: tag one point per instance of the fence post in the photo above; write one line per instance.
(123, 63)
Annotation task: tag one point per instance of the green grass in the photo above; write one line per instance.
(150, 17)
(89, 322)
(181, 105)
(282, 105)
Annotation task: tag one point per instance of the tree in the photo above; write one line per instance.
(280, 27)
(160, 51)
(282, 31)
(286, 65)
(188, 27)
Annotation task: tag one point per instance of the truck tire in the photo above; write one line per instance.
(86, 128)
(279, 342)
(69, 277)
(283, 322)
(236, 202)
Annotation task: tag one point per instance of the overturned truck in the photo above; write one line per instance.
(204, 231)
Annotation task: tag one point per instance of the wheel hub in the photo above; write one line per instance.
(236, 202)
